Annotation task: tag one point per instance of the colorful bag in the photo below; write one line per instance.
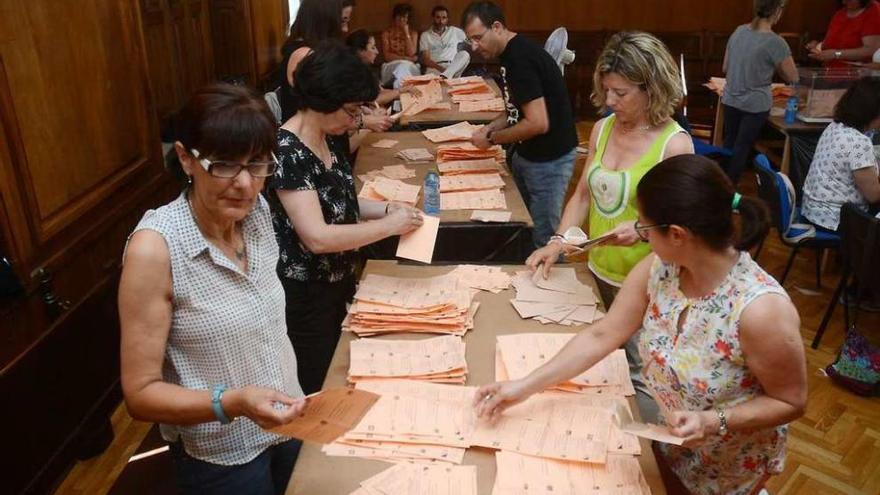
(857, 368)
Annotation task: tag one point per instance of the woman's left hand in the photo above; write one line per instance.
(624, 235)
(694, 426)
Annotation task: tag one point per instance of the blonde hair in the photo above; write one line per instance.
(641, 59)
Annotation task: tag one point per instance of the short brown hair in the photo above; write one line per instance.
(641, 59)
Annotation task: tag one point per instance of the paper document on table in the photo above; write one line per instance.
(526, 290)
(491, 216)
(394, 451)
(328, 415)
(461, 131)
(416, 155)
(491, 199)
(476, 87)
(467, 151)
(459, 81)
(415, 479)
(470, 182)
(385, 143)
(430, 94)
(410, 359)
(493, 105)
(420, 79)
(519, 474)
(564, 279)
(489, 278)
(484, 166)
(558, 429)
(418, 245)
(390, 190)
(526, 352)
(473, 97)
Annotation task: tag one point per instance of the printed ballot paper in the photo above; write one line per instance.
(328, 415)
(418, 245)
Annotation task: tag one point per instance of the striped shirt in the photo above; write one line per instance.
(227, 327)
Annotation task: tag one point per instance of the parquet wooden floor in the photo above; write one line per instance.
(833, 449)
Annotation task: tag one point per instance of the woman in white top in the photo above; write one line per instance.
(844, 167)
(205, 351)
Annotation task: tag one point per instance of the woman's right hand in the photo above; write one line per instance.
(491, 400)
(546, 256)
(403, 219)
(259, 405)
(377, 122)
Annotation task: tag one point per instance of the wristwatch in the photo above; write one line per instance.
(722, 422)
(838, 54)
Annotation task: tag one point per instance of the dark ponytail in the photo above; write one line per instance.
(693, 192)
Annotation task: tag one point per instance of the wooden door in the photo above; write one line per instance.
(80, 160)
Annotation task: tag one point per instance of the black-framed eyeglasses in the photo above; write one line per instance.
(478, 37)
(354, 115)
(225, 169)
(642, 229)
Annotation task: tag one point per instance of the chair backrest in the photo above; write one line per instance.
(768, 191)
(860, 233)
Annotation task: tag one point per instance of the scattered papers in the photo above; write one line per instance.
(418, 245)
(461, 131)
(470, 88)
(470, 182)
(390, 172)
(468, 167)
(384, 189)
(385, 143)
(523, 353)
(438, 305)
(493, 105)
(395, 451)
(328, 415)
(420, 80)
(459, 81)
(517, 474)
(488, 278)
(492, 199)
(431, 93)
(561, 298)
(438, 359)
(407, 479)
(491, 216)
(460, 98)
(415, 155)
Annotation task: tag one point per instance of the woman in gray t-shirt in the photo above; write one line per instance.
(754, 54)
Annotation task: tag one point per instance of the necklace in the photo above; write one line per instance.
(239, 251)
(641, 128)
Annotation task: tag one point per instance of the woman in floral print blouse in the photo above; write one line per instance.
(719, 337)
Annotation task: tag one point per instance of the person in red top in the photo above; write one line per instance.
(853, 34)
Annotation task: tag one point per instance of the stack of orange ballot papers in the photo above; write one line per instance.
(384, 304)
(437, 359)
(405, 479)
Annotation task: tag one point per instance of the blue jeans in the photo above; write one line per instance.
(267, 474)
(542, 186)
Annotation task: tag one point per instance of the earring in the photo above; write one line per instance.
(189, 180)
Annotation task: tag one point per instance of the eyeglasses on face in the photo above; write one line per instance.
(477, 38)
(641, 230)
(225, 169)
(355, 114)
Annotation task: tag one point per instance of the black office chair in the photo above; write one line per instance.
(860, 247)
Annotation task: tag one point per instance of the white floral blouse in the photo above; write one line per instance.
(703, 367)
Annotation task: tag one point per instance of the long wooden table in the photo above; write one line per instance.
(438, 118)
(509, 241)
(317, 474)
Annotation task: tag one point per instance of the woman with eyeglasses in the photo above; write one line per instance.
(319, 220)
(637, 81)
(719, 336)
(204, 349)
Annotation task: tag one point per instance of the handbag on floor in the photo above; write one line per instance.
(857, 368)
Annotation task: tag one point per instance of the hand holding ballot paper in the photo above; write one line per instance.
(573, 241)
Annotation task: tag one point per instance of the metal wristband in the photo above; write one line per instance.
(722, 422)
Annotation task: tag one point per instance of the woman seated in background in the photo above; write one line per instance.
(317, 215)
(202, 309)
(844, 168)
(853, 34)
(364, 45)
(637, 79)
(754, 54)
(399, 48)
(719, 336)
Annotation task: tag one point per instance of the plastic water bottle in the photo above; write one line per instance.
(432, 194)
(791, 109)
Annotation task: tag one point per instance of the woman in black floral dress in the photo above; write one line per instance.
(316, 212)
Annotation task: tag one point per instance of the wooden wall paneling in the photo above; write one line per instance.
(232, 40)
(163, 59)
(192, 27)
(269, 20)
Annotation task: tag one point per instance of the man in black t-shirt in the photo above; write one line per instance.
(539, 118)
